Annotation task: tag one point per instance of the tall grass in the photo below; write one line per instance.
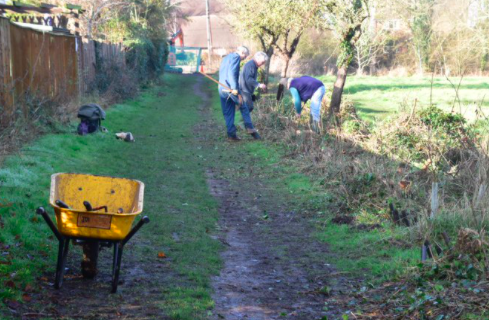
(396, 161)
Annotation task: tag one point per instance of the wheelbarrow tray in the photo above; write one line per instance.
(115, 193)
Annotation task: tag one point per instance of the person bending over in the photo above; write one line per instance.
(302, 89)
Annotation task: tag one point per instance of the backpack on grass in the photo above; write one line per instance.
(91, 116)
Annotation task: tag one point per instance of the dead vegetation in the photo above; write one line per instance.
(425, 170)
(35, 114)
(31, 117)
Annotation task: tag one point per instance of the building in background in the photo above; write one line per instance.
(191, 21)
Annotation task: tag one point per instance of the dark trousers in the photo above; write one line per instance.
(245, 113)
(228, 106)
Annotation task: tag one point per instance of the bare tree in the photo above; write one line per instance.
(368, 48)
(100, 11)
(345, 18)
(277, 24)
(418, 16)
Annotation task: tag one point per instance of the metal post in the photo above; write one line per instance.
(209, 33)
(50, 223)
(133, 231)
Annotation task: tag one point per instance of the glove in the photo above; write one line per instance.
(234, 92)
(262, 86)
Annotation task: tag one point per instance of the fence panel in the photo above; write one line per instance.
(93, 53)
(6, 85)
(44, 65)
(47, 66)
(88, 62)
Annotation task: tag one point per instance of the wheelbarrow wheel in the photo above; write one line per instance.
(90, 258)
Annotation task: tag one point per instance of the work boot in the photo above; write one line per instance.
(234, 138)
(256, 136)
(253, 133)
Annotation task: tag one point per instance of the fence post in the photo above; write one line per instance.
(434, 199)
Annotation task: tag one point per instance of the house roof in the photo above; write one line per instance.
(191, 8)
(195, 32)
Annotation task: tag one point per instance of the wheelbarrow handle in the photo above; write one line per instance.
(133, 231)
(50, 223)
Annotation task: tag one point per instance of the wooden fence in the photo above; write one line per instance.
(46, 66)
(92, 52)
(6, 83)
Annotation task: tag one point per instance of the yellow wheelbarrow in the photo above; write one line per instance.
(95, 212)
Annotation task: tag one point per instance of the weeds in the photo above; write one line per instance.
(32, 116)
(399, 162)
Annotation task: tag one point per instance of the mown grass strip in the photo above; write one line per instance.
(176, 195)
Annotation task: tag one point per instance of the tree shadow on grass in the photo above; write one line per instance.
(355, 88)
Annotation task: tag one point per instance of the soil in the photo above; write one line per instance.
(341, 219)
(274, 268)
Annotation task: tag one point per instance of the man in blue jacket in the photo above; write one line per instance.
(302, 89)
(228, 75)
(247, 85)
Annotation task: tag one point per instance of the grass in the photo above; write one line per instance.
(176, 196)
(369, 254)
(366, 254)
(168, 160)
(378, 97)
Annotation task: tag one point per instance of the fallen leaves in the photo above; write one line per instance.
(161, 255)
(404, 185)
(26, 297)
(12, 304)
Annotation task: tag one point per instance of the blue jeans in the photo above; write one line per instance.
(228, 110)
(228, 105)
(316, 100)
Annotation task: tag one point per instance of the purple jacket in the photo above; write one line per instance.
(306, 86)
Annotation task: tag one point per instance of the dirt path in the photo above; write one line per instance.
(273, 266)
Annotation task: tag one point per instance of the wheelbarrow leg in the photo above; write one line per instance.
(116, 265)
(64, 244)
(118, 248)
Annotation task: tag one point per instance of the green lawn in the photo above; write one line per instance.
(167, 157)
(360, 253)
(177, 201)
(378, 97)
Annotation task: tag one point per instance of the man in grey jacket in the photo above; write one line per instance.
(247, 85)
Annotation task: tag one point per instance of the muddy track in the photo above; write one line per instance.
(273, 266)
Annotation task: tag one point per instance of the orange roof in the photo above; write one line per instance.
(195, 32)
(197, 7)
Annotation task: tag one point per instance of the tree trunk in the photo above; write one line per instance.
(286, 68)
(373, 31)
(420, 60)
(338, 90)
(267, 65)
(360, 63)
